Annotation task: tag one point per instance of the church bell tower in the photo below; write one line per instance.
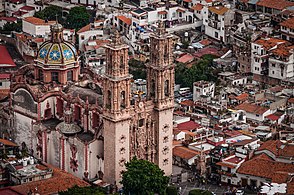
(116, 110)
(160, 90)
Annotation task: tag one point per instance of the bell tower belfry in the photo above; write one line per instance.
(160, 90)
(116, 109)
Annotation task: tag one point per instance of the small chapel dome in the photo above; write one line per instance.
(68, 127)
(57, 51)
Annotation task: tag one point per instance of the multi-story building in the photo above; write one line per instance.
(281, 62)
(12, 6)
(36, 26)
(216, 20)
(260, 51)
(203, 88)
(287, 29)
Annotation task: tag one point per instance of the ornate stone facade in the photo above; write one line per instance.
(91, 126)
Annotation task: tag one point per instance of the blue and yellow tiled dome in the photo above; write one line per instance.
(57, 51)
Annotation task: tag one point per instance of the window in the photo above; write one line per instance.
(123, 99)
(54, 76)
(69, 75)
(273, 65)
(273, 72)
(166, 88)
(141, 122)
(216, 34)
(82, 37)
(0, 84)
(30, 179)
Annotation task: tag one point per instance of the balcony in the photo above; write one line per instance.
(214, 24)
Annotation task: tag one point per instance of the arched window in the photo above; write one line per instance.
(41, 76)
(123, 99)
(70, 75)
(166, 88)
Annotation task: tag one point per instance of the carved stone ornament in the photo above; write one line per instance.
(165, 128)
(122, 162)
(122, 139)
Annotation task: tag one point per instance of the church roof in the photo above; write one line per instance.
(57, 53)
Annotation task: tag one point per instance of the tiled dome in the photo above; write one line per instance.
(57, 53)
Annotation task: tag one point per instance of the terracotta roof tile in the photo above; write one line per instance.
(7, 142)
(162, 12)
(190, 125)
(268, 169)
(197, 7)
(291, 100)
(187, 103)
(220, 10)
(27, 8)
(5, 58)
(242, 97)
(38, 21)
(184, 152)
(223, 164)
(124, 19)
(185, 58)
(252, 108)
(9, 19)
(288, 23)
(278, 148)
(275, 4)
(269, 43)
(60, 181)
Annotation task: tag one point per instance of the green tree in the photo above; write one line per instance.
(199, 192)
(50, 13)
(137, 69)
(8, 27)
(171, 190)
(143, 178)
(76, 190)
(201, 70)
(77, 18)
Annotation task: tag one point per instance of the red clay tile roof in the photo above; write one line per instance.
(87, 28)
(162, 12)
(283, 51)
(187, 103)
(38, 21)
(8, 191)
(288, 23)
(291, 100)
(220, 10)
(269, 42)
(205, 42)
(268, 169)
(178, 112)
(184, 152)
(188, 1)
(185, 58)
(197, 7)
(242, 97)
(190, 125)
(5, 58)
(7, 142)
(275, 4)
(180, 10)
(124, 19)
(8, 19)
(252, 108)
(27, 8)
(60, 181)
(278, 148)
(273, 117)
(4, 76)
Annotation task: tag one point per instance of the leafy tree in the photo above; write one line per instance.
(199, 71)
(8, 27)
(137, 69)
(199, 192)
(76, 190)
(143, 178)
(77, 18)
(171, 190)
(50, 13)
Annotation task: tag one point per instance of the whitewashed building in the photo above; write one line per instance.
(203, 88)
(36, 26)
